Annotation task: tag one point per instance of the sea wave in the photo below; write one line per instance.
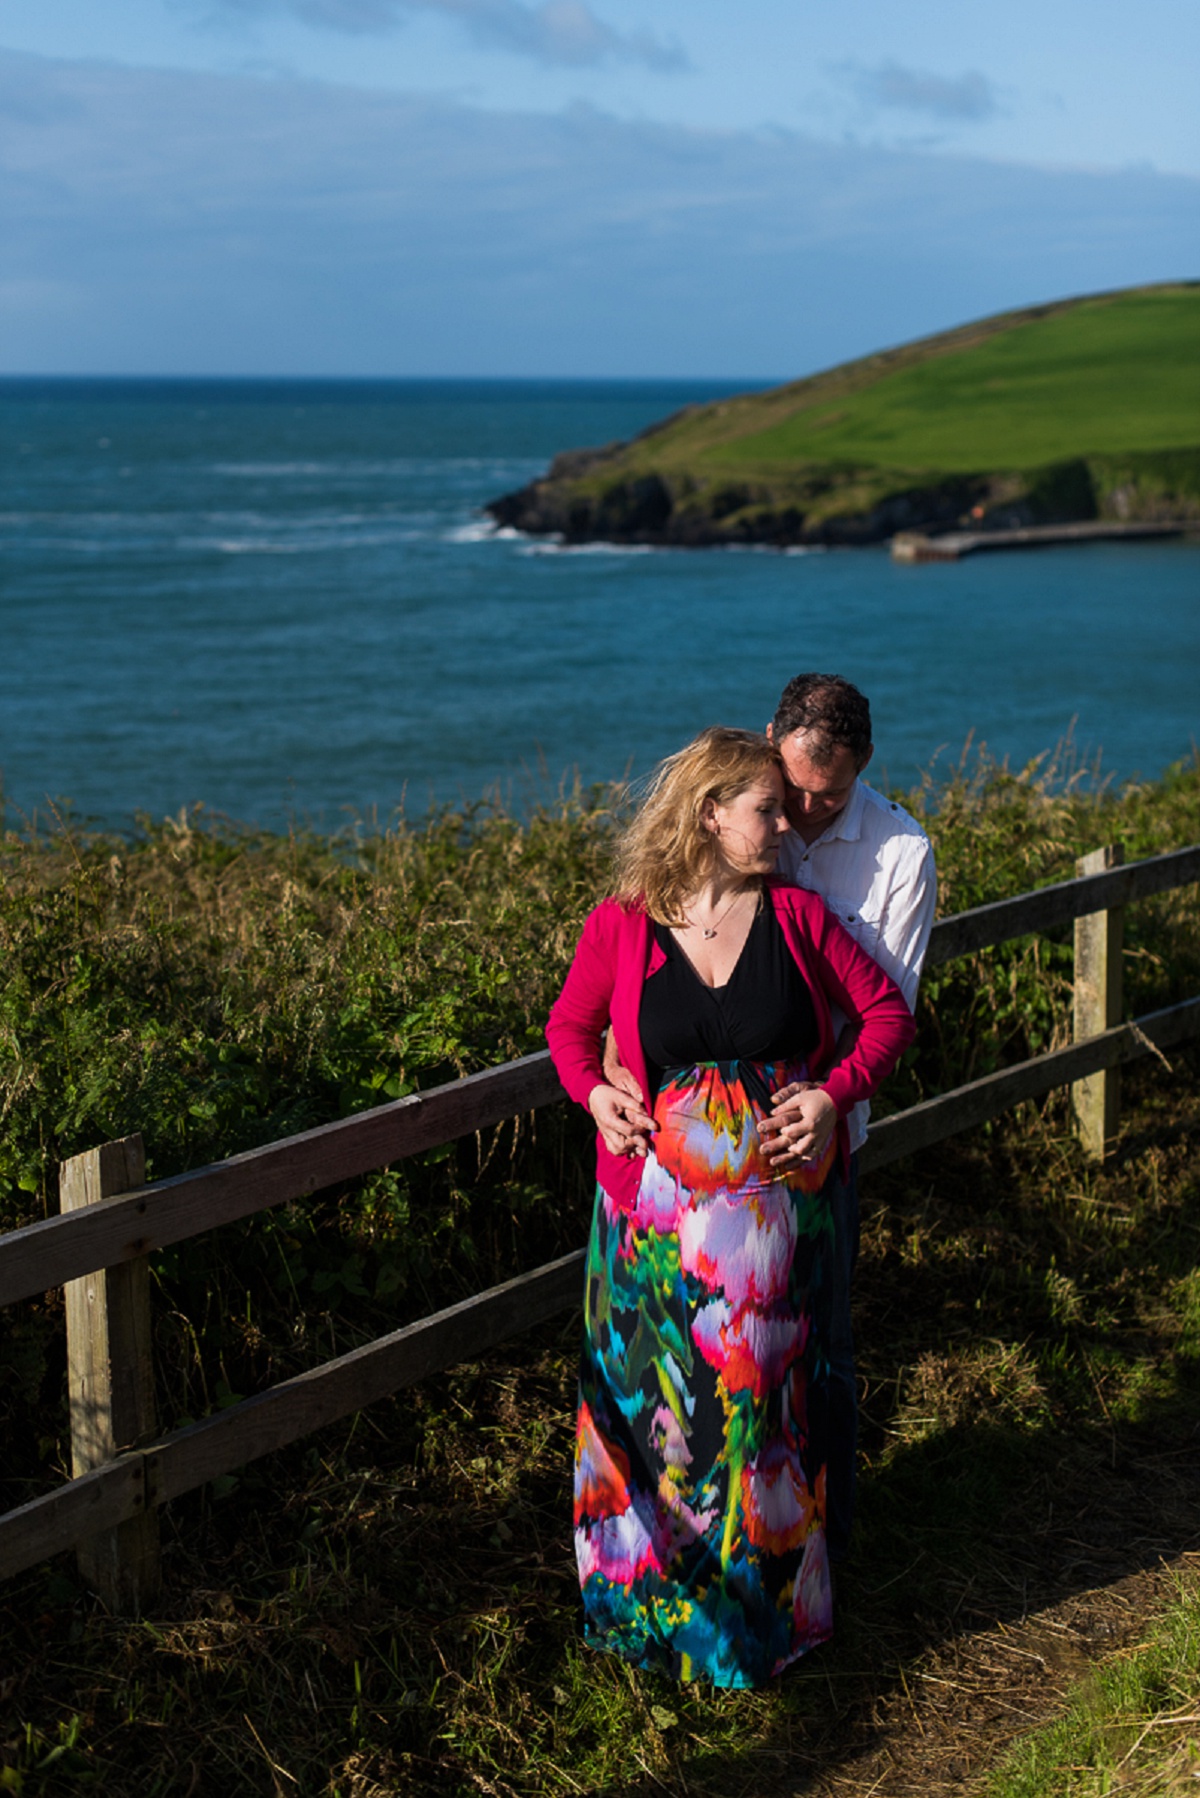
(544, 546)
(248, 546)
(302, 542)
(115, 534)
(478, 530)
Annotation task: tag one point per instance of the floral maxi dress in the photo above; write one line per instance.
(702, 1421)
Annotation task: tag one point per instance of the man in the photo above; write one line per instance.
(873, 866)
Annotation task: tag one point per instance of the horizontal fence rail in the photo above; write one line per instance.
(129, 1225)
(100, 1500)
(118, 1492)
(987, 925)
(891, 1139)
(136, 1223)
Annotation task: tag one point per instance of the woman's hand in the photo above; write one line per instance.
(621, 1119)
(801, 1123)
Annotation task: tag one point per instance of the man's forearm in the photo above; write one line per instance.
(615, 1071)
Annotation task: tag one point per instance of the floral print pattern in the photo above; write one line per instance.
(700, 1440)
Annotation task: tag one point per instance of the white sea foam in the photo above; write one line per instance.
(478, 530)
(305, 541)
(551, 547)
(233, 546)
(767, 549)
(115, 534)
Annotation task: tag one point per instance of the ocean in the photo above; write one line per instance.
(279, 599)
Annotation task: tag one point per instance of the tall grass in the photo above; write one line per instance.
(216, 987)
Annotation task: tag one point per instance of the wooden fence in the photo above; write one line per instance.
(110, 1222)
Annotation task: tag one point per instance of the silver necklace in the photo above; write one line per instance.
(710, 930)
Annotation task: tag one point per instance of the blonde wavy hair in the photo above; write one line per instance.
(667, 853)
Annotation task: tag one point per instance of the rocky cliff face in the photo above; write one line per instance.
(834, 506)
(656, 509)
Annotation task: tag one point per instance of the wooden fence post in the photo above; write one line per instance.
(110, 1378)
(1099, 947)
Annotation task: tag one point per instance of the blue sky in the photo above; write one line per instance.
(573, 187)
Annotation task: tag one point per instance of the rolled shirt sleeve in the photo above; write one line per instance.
(908, 918)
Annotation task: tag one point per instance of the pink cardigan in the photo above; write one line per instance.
(617, 953)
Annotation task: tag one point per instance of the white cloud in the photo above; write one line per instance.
(566, 33)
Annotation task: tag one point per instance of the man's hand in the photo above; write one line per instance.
(802, 1120)
(621, 1119)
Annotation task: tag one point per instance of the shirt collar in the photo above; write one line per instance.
(847, 826)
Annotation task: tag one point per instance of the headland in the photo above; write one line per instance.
(1084, 411)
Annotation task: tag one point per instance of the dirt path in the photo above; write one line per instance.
(1086, 1587)
(960, 1706)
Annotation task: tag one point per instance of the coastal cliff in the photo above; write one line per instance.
(1083, 410)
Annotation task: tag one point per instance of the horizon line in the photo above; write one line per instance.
(530, 379)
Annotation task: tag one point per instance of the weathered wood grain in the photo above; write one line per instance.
(55, 1522)
(296, 1407)
(58, 1249)
(1098, 1005)
(110, 1379)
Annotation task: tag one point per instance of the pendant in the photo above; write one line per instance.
(708, 935)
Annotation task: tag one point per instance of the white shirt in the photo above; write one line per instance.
(874, 869)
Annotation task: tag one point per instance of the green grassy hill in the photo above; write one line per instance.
(1087, 408)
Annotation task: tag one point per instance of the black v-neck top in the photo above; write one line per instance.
(764, 1012)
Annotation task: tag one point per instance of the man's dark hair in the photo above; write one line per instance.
(836, 712)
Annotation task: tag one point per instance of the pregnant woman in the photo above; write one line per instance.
(702, 1432)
